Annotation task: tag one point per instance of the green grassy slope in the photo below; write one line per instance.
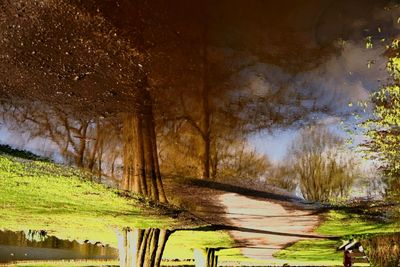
(37, 194)
(44, 195)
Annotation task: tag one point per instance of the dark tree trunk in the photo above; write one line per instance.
(96, 150)
(206, 257)
(214, 160)
(80, 148)
(206, 113)
(212, 259)
(141, 168)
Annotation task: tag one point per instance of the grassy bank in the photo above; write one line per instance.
(38, 194)
(336, 223)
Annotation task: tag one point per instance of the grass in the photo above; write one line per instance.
(181, 244)
(311, 250)
(336, 223)
(43, 195)
(340, 223)
(38, 194)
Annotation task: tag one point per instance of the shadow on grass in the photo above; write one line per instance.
(241, 190)
(67, 208)
(8, 150)
(218, 227)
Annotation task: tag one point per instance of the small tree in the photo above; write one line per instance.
(323, 169)
(243, 165)
(282, 176)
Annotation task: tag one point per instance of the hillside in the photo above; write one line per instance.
(39, 194)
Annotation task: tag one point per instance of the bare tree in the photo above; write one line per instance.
(90, 144)
(324, 170)
(241, 164)
(282, 176)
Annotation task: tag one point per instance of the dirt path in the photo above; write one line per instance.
(266, 226)
(261, 222)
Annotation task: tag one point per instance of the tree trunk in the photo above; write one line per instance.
(80, 148)
(206, 113)
(206, 257)
(214, 159)
(141, 168)
(205, 157)
(98, 145)
(142, 248)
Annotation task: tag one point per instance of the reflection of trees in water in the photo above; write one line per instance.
(91, 143)
(142, 247)
(40, 239)
(120, 149)
(91, 66)
(112, 57)
(145, 248)
(34, 235)
(206, 257)
(383, 251)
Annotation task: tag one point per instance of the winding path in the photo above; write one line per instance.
(261, 222)
(265, 226)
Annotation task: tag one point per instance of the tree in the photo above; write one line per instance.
(242, 164)
(282, 176)
(382, 130)
(324, 170)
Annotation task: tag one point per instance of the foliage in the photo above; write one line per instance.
(324, 170)
(382, 130)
